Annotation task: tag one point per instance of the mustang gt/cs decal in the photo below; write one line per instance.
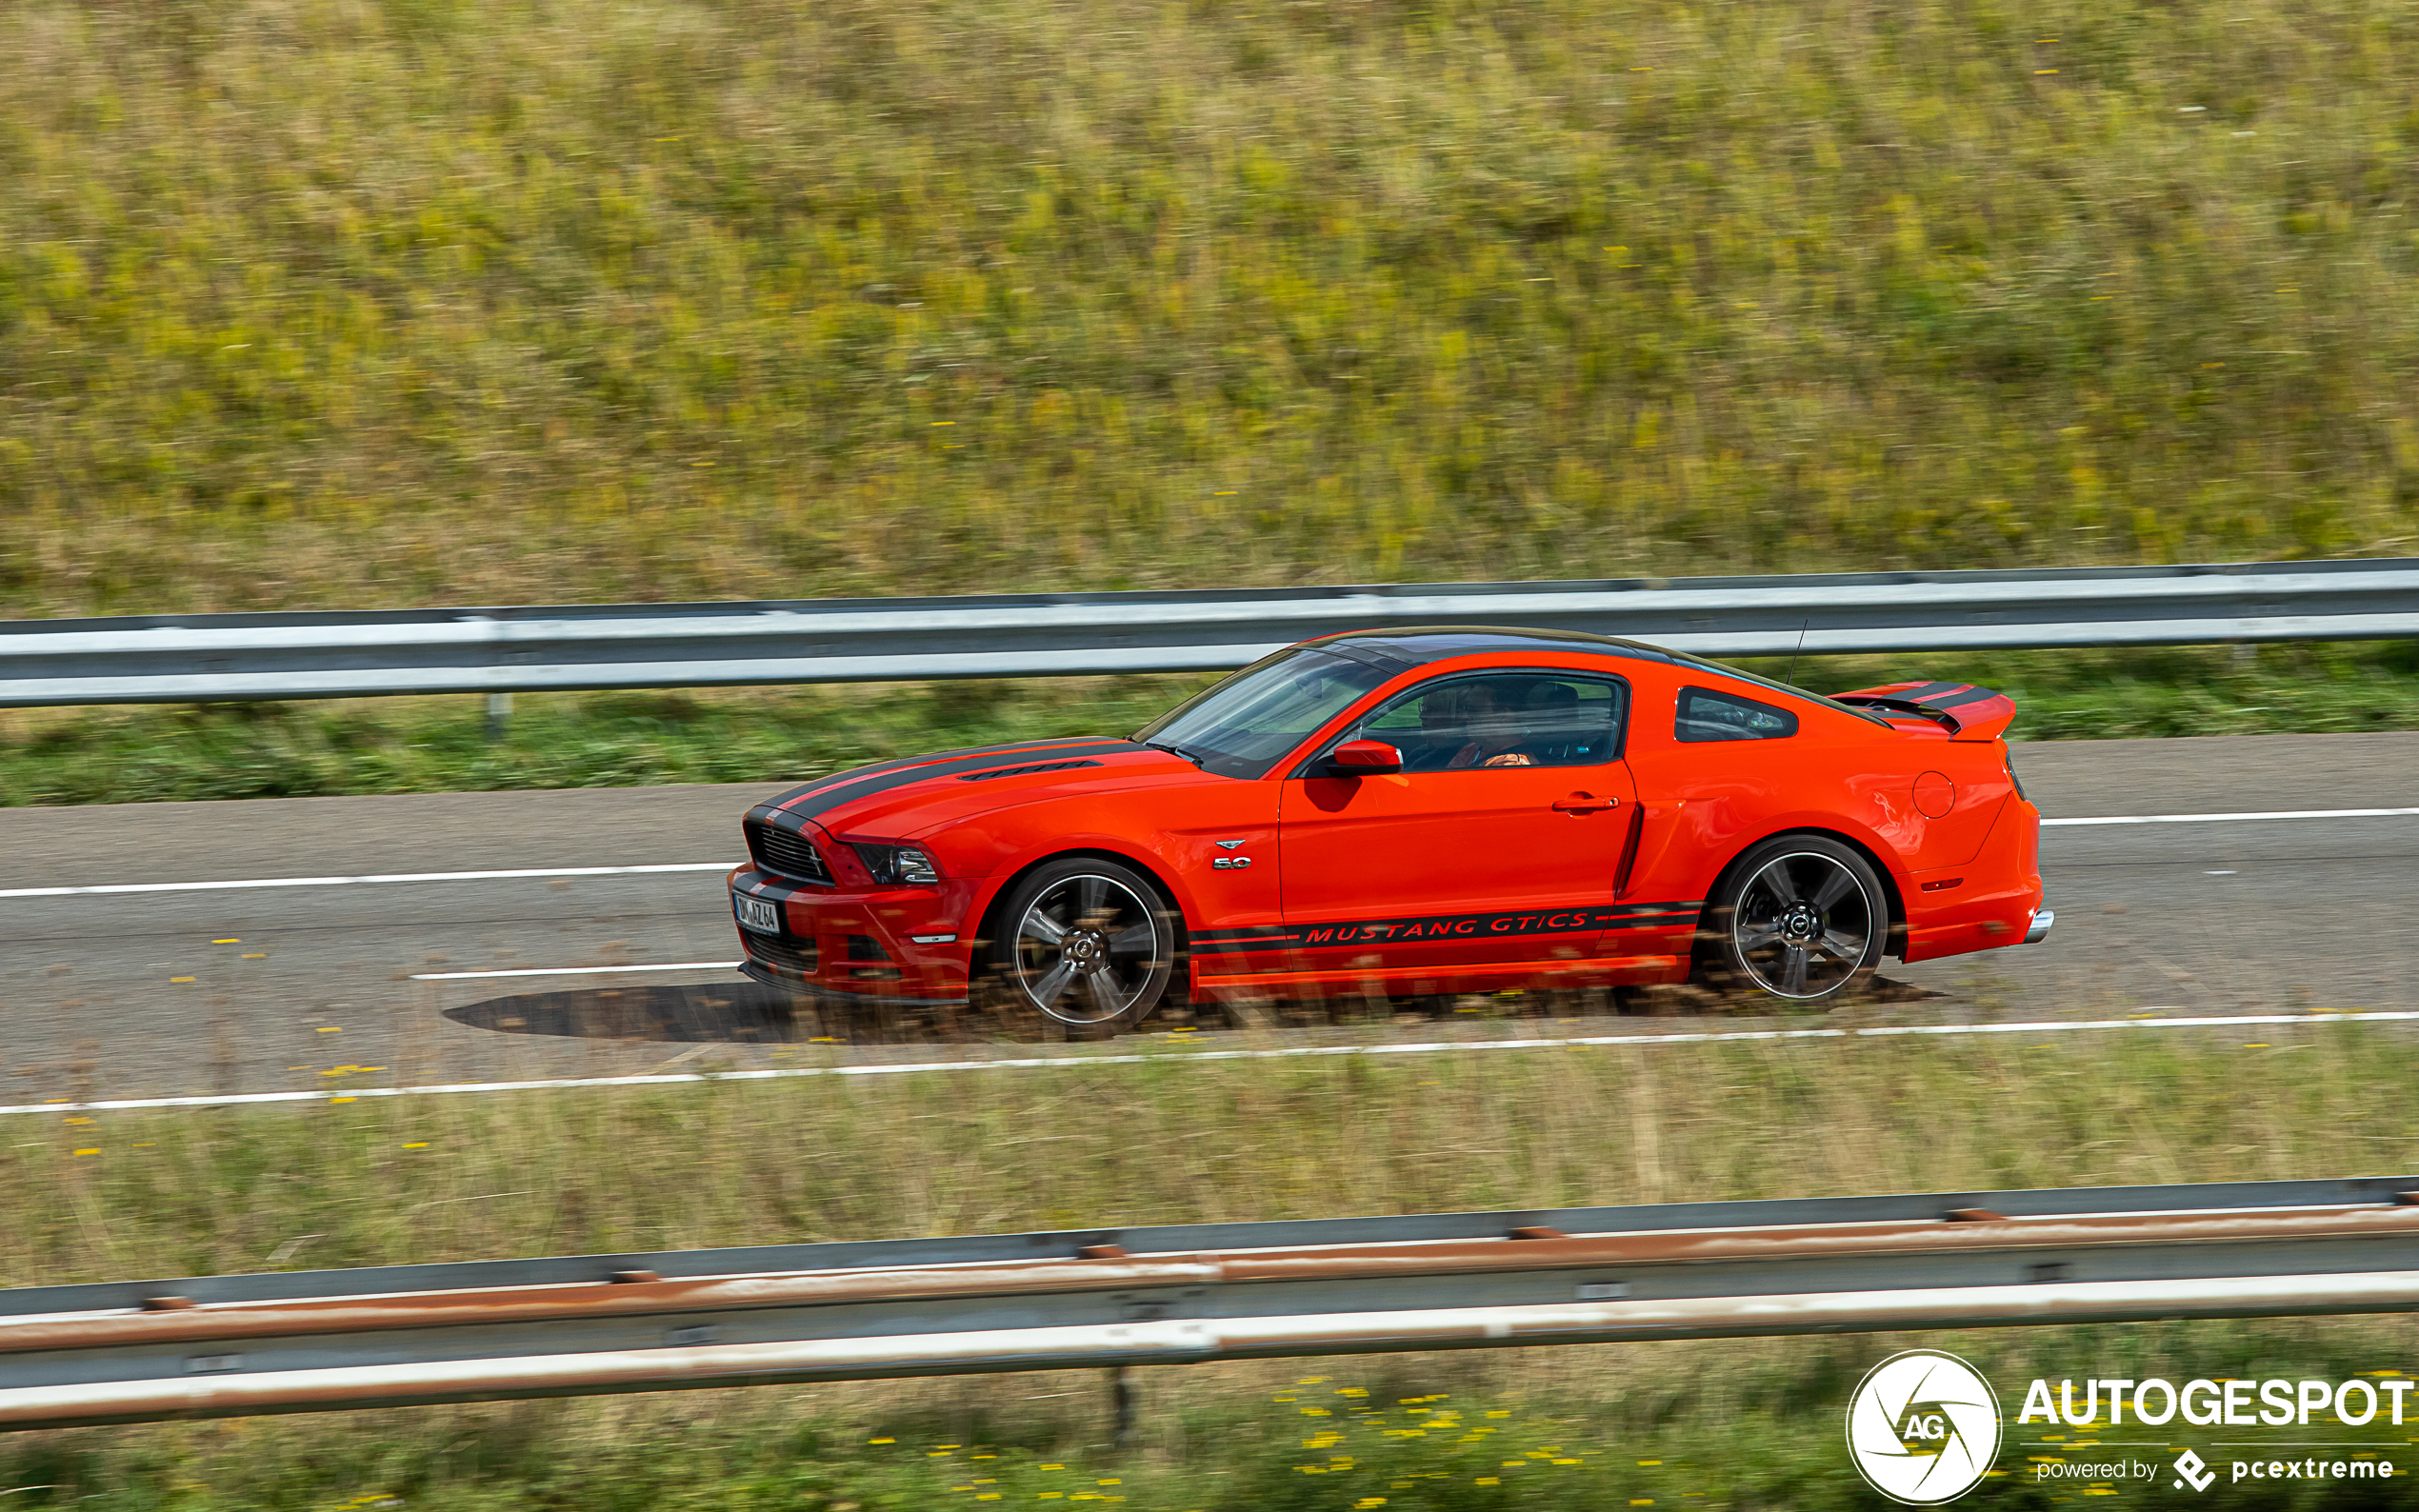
(1451, 927)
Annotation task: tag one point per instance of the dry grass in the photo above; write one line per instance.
(363, 302)
(1754, 1422)
(459, 1177)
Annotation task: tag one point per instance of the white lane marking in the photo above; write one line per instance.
(725, 866)
(2225, 819)
(354, 882)
(572, 971)
(1163, 1057)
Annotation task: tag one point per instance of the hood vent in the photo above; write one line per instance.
(1020, 771)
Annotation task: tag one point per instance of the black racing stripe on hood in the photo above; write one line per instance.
(881, 780)
(854, 774)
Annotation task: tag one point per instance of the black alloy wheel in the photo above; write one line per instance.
(1087, 942)
(1801, 918)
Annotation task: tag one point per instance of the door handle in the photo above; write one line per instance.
(1584, 803)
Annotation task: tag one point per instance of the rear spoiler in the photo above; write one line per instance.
(1967, 712)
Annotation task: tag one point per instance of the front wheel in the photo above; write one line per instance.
(1800, 917)
(1087, 942)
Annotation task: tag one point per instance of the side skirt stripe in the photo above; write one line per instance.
(1449, 927)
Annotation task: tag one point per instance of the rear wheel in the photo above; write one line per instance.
(1801, 918)
(1085, 941)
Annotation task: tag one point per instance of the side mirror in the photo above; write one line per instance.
(1364, 758)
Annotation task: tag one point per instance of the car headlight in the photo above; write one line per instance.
(894, 864)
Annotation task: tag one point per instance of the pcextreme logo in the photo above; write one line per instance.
(1923, 1427)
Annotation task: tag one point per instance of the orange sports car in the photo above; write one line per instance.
(1408, 812)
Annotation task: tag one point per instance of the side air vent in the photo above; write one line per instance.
(785, 853)
(1020, 771)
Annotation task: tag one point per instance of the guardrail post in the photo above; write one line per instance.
(1121, 1405)
(499, 714)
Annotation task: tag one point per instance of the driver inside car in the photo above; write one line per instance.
(1471, 725)
(1553, 726)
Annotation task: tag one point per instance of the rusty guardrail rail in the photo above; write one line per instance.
(312, 1341)
(202, 658)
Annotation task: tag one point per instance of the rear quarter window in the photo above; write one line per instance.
(1705, 715)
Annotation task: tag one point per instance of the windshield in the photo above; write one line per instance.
(1244, 726)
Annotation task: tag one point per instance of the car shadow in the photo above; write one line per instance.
(751, 1013)
(717, 1012)
(723, 1013)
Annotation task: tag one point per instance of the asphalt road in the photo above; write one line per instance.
(122, 994)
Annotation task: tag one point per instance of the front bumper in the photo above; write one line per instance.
(805, 987)
(909, 946)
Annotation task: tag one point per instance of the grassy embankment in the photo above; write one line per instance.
(273, 751)
(1749, 1424)
(386, 302)
(401, 301)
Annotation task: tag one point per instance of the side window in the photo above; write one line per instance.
(1503, 719)
(1705, 715)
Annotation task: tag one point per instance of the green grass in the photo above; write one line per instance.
(384, 302)
(273, 751)
(1749, 1424)
(1420, 1433)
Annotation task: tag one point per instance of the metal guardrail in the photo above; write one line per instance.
(237, 657)
(312, 1341)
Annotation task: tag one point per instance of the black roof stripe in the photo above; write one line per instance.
(1418, 645)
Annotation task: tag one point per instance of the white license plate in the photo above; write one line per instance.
(760, 914)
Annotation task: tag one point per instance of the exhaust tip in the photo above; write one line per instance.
(2042, 920)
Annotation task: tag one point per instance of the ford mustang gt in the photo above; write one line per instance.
(1408, 812)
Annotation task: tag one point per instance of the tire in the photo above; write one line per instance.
(1801, 918)
(1085, 941)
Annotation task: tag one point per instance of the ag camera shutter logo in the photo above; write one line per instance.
(1923, 1427)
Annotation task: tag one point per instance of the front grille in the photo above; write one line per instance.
(785, 853)
(790, 955)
